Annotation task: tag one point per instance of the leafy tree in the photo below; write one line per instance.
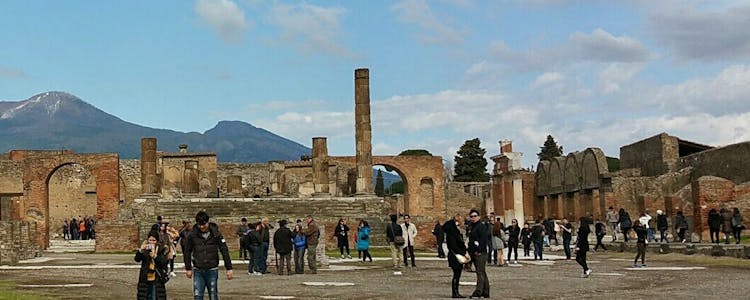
(550, 149)
(415, 152)
(397, 187)
(379, 184)
(470, 163)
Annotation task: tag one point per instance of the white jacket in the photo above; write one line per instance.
(409, 234)
(644, 220)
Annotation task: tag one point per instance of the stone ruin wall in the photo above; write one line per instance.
(254, 179)
(17, 241)
(72, 194)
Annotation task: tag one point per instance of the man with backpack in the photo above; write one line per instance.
(395, 240)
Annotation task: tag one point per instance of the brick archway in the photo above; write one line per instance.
(38, 166)
(414, 170)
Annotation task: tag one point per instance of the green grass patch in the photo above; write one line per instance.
(8, 292)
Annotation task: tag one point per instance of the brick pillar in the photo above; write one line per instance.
(234, 185)
(276, 177)
(363, 131)
(320, 167)
(148, 166)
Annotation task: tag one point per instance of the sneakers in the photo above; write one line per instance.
(342, 256)
(397, 273)
(516, 262)
(257, 273)
(635, 265)
(643, 265)
(588, 272)
(349, 256)
(172, 274)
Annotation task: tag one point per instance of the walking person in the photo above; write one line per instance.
(646, 223)
(300, 244)
(737, 225)
(410, 233)
(567, 233)
(65, 229)
(600, 230)
(341, 233)
(663, 225)
(613, 220)
(363, 240)
(242, 229)
(714, 225)
(395, 240)
(526, 240)
(437, 231)
(478, 240)
(202, 248)
(537, 237)
(312, 234)
(456, 247)
(514, 232)
(283, 243)
(680, 225)
(726, 224)
(641, 235)
(153, 273)
(625, 223)
(582, 245)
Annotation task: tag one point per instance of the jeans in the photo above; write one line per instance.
(151, 291)
(243, 250)
(614, 230)
(257, 259)
(410, 251)
(714, 235)
(663, 235)
(566, 247)
(650, 234)
(599, 242)
(311, 258)
(538, 249)
(640, 253)
(203, 279)
(441, 253)
(581, 259)
(299, 260)
(737, 234)
(513, 246)
(264, 262)
(343, 244)
(483, 284)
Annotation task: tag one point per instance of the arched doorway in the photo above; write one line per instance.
(71, 194)
(395, 187)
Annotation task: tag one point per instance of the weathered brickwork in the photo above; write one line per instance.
(712, 192)
(17, 241)
(72, 193)
(117, 236)
(255, 178)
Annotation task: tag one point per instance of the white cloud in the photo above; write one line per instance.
(704, 34)
(546, 79)
(11, 73)
(225, 17)
(301, 126)
(727, 92)
(433, 29)
(310, 28)
(616, 74)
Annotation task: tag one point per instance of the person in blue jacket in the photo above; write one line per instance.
(363, 240)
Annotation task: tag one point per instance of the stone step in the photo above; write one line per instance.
(71, 246)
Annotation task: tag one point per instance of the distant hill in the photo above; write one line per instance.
(388, 178)
(58, 120)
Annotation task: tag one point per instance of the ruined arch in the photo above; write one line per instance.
(71, 192)
(571, 173)
(39, 165)
(541, 180)
(556, 175)
(594, 164)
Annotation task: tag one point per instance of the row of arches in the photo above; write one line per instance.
(568, 174)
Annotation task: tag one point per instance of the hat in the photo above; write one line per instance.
(658, 211)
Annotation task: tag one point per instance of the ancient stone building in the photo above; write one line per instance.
(512, 186)
(661, 172)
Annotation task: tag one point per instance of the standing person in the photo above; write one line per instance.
(646, 222)
(456, 246)
(300, 243)
(363, 240)
(184, 231)
(255, 244)
(681, 225)
(495, 242)
(714, 225)
(601, 230)
(201, 256)
(66, 234)
(582, 245)
(82, 229)
(242, 229)
(662, 224)
(266, 242)
(437, 231)
(526, 240)
(498, 244)
(342, 235)
(73, 227)
(625, 223)
(395, 240)
(153, 258)
(312, 235)
(513, 234)
(726, 224)
(283, 242)
(551, 234)
(478, 240)
(410, 233)
(737, 225)
(537, 237)
(613, 220)
(641, 234)
(567, 233)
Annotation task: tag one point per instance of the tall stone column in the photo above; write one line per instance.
(148, 167)
(363, 131)
(320, 167)
(276, 178)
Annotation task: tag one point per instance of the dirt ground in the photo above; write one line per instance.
(114, 276)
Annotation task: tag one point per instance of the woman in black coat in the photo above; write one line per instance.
(153, 258)
(456, 246)
(582, 245)
(514, 231)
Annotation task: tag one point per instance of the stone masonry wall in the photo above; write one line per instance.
(72, 194)
(130, 183)
(651, 155)
(117, 235)
(254, 178)
(17, 241)
(715, 192)
(11, 175)
(463, 196)
(731, 162)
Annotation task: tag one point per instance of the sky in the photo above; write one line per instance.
(590, 73)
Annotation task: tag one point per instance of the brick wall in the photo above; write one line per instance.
(17, 241)
(117, 235)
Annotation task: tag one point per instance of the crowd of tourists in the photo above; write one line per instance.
(81, 228)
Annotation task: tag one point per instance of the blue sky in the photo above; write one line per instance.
(591, 73)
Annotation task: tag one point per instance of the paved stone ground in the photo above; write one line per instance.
(114, 276)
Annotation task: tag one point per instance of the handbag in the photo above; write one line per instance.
(462, 259)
